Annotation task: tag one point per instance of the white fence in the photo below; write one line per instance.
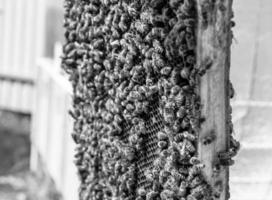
(52, 143)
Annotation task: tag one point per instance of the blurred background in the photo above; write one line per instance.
(36, 150)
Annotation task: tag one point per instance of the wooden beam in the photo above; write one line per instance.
(213, 52)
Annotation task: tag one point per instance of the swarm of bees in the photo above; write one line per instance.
(123, 57)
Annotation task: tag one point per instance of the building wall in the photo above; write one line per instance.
(21, 39)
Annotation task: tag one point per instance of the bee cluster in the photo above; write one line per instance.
(123, 57)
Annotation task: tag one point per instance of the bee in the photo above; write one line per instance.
(160, 162)
(180, 38)
(194, 160)
(185, 73)
(176, 126)
(219, 185)
(140, 127)
(139, 198)
(224, 155)
(209, 138)
(72, 54)
(74, 114)
(189, 22)
(169, 118)
(123, 24)
(183, 188)
(97, 18)
(190, 40)
(185, 123)
(216, 169)
(112, 92)
(116, 33)
(168, 131)
(130, 107)
(153, 89)
(158, 33)
(108, 117)
(163, 176)
(188, 4)
(167, 194)
(68, 47)
(135, 95)
(141, 192)
(152, 195)
(115, 44)
(157, 46)
(162, 144)
(123, 187)
(75, 137)
(183, 170)
(196, 182)
(131, 183)
(112, 1)
(138, 108)
(164, 154)
(177, 176)
(179, 137)
(169, 107)
(200, 191)
(174, 77)
(189, 136)
(216, 194)
(225, 158)
(148, 175)
(162, 135)
(156, 4)
(171, 161)
(175, 3)
(175, 90)
(142, 27)
(167, 87)
(157, 62)
(180, 100)
(231, 90)
(194, 122)
(195, 170)
(148, 54)
(143, 90)
(235, 145)
(132, 11)
(191, 59)
(166, 70)
(91, 8)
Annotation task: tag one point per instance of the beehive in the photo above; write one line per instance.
(137, 106)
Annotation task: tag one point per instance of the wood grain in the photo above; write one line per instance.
(213, 53)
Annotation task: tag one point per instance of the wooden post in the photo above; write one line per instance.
(214, 39)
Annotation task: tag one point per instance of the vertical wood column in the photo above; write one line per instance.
(214, 40)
